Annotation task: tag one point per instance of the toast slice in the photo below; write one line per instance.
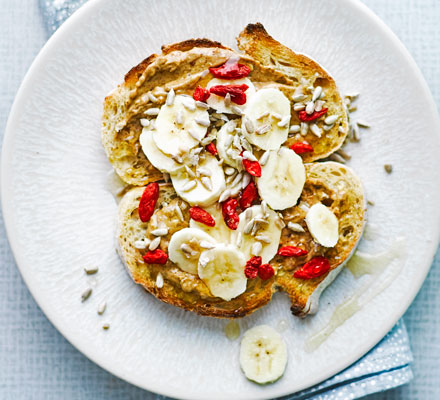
(302, 70)
(333, 184)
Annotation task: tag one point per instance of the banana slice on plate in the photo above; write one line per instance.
(323, 225)
(282, 179)
(218, 102)
(198, 190)
(258, 227)
(220, 231)
(222, 270)
(267, 119)
(263, 354)
(185, 248)
(160, 160)
(180, 126)
(224, 144)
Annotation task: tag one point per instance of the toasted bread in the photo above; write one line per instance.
(330, 182)
(258, 44)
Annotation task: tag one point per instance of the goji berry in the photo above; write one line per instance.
(248, 196)
(229, 210)
(212, 149)
(237, 92)
(251, 268)
(265, 271)
(201, 94)
(300, 148)
(292, 251)
(230, 71)
(200, 215)
(148, 201)
(156, 257)
(317, 266)
(252, 167)
(304, 117)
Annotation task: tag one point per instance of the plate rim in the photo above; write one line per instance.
(6, 156)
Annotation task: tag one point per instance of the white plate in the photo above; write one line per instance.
(59, 215)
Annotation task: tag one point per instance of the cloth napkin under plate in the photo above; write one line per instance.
(384, 367)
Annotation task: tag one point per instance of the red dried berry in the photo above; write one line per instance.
(292, 251)
(230, 71)
(300, 148)
(201, 94)
(155, 257)
(265, 271)
(317, 266)
(229, 211)
(212, 149)
(248, 196)
(252, 167)
(148, 201)
(304, 117)
(237, 92)
(251, 268)
(200, 215)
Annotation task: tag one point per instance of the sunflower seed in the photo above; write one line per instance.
(166, 177)
(331, 119)
(338, 158)
(255, 228)
(344, 154)
(239, 239)
(179, 117)
(230, 178)
(317, 93)
(245, 144)
(264, 158)
(227, 100)
(203, 261)
(388, 168)
(159, 281)
(247, 215)
(206, 182)
(230, 170)
(206, 245)
(363, 124)
(186, 248)
(304, 206)
(370, 202)
(264, 207)
(294, 128)
(279, 223)
(299, 106)
(160, 232)
(256, 248)
(248, 227)
(154, 243)
(190, 171)
(177, 158)
(310, 107)
(341, 129)
(316, 130)
(276, 116)
(208, 139)
(86, 294)
(141, 244)
(202, 105)
(237, 179)
(188, 186)
(224, 196)
(170, 97)
(246, 180)
(202, 121)
(298, 97)
(189, 103)
(295, 227)
(261, 220)
(248, 124)
(219, 124)
(144, 122)
(204, 171)
(263, 238)
(352, 108)
(152, 111)
(284, 121)
(261, 116)
(328, 127)
(91, 270)
(102, 307)
(249, 156)
(179, 212)
(304, 128)
(318, 105)
(237, 142)
(263, 129)
(106, 327)
(236, 110)
(152, 97)
(356, 133)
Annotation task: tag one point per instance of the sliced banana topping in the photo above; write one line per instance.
(218, 102)
(266, 120)
(160, 160)
(179, 127)
(263, 354)
(323, 225)
(282, 179)
(222, 270)
(197, 191)
(220, 231)
(185, 248)
(259, 233)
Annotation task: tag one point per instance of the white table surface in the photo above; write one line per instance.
(36, 362)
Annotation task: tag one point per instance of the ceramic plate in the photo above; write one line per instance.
(60, 215)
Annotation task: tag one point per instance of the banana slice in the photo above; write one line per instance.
(263, 354)
(222, 270)
(323, 225)
(267, 118)
(282, 179)
(218, 102)
(267, 233)
(199, 191)
(177, 130)
(184, 248)
(224, 144)
(220, 231)
(160, 160)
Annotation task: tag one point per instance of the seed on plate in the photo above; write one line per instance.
(102, 307)
(352, 108)
(370, 202)
(388, 168)
(91, 270)
(249, 156)
(160, 232)
(248, 124)
(224, 196)
(236, 110)
(152, 111)
(263, 238)
(202, 105)
(344, 154)
(317, 93)
(206, 181)
(189, 103)
(263, 129)
(356, 134)
(299, 106)
(363, 124)
(144, 122)
(188, 186)
(86, 294)
(264, 158)
(304, 128)
(295, 227)
(310, 107)
(106, 327)
(284, 121)
(227, 100)
(298, 97)
(154, 243)
(170, 97)
(256, 248)
(353, 95)
(338, 158)
(159, 281)
(331, 119)
(179, 117)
